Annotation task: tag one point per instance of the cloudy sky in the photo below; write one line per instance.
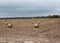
(26, 8)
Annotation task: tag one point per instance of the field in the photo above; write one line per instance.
(23, 31)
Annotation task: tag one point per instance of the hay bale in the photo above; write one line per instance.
(36, 25)
(9, 25)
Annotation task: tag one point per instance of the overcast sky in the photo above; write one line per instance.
(23, 8)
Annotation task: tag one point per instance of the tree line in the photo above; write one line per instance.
(49, 16)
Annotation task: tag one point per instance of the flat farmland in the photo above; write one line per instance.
(23, 29)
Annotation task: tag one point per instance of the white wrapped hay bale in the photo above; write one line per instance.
(9, 24)
(36, 25)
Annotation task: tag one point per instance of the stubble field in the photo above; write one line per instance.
(23, 30)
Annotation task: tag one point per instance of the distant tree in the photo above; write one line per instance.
(53, 16)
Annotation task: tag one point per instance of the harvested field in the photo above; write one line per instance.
(23, 30)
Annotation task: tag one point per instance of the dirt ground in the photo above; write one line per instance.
(23, 31)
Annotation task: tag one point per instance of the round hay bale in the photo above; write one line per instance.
(36, 25)
(9, 25)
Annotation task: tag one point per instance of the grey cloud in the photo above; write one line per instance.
(28, 7)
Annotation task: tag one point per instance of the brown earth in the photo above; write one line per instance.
(23, 30)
